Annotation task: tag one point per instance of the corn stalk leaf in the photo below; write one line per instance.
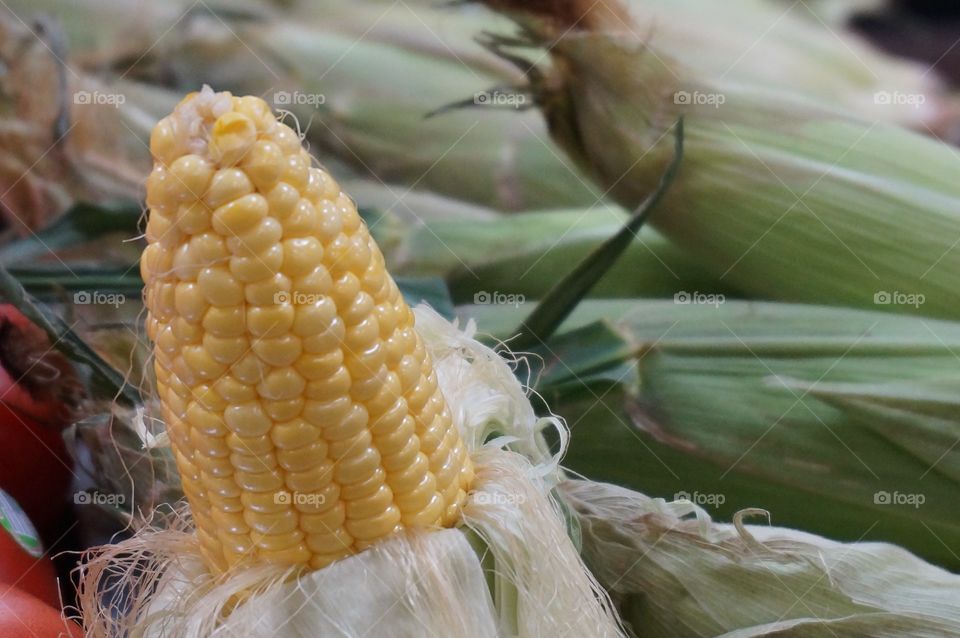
(560, 300)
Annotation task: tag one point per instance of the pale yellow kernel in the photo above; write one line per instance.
(206, 421)
(189, 302)
(274, 290)
(250, 444)
(362, 335)
(315, 283)
(295, 170)
(203, 365)
(163, 144)
(254, 241)
(225, 322)
(406, 461)
(262, 164)
(247, 419)
(294, 434)
(335, 385)
(278, 352)
(325, 341)
(270, 321)
(408, 370)
(283, 410)
(330, 542)
(257, 267)
(282, 199)
(296, 554)
(272, 523)
(413, 498)
(190, 176)
(256, 109)
(209, 248)
(287, 139)
(277, 542)
(303, 220)
(392, 442)
(386, 396)
(263, 502)
(345, 289)
(205, 395)
(301, 255)
(247, 461)
(186, 332)
(429, 516)
(391, 419)
(234, 391)
(364, 488)
(348, 434)
(370, 506)
(225, 487)
(302, 458)
(239, 215)
(328, 520)
(249, 369)
(330, 225)
(236, 547)
(259, 481)
(315, 367)
(161, 228)
(165, 341)
(314, 318)
(357, 466)
(164, 300)
(230, 522)
(281, 384)
(232, 137)
(376, 527)
(227, 185)
(225, 350)
(215, 467)
(367, 363)
(185, 263)
(158, 189)
(323, 413)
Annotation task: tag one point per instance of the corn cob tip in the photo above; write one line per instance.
(303, 409)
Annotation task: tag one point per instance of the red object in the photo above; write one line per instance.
(26, 616)
(23, 564)
(38, 393)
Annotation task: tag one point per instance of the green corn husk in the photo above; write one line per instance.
(523, 256)
(783, 197)
(829, 418)
(381, 67)
(673, 573)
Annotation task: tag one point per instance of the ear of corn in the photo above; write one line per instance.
(304, 411)
(782, 196)
(810, 412)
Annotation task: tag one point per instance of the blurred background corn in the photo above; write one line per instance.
(304, 411)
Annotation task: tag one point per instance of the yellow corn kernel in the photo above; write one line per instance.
(304, 412)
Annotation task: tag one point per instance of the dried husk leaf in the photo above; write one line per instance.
(675, 573)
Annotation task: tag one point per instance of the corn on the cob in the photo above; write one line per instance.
(304, 411)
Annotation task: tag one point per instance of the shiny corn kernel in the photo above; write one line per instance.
(305, 416)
